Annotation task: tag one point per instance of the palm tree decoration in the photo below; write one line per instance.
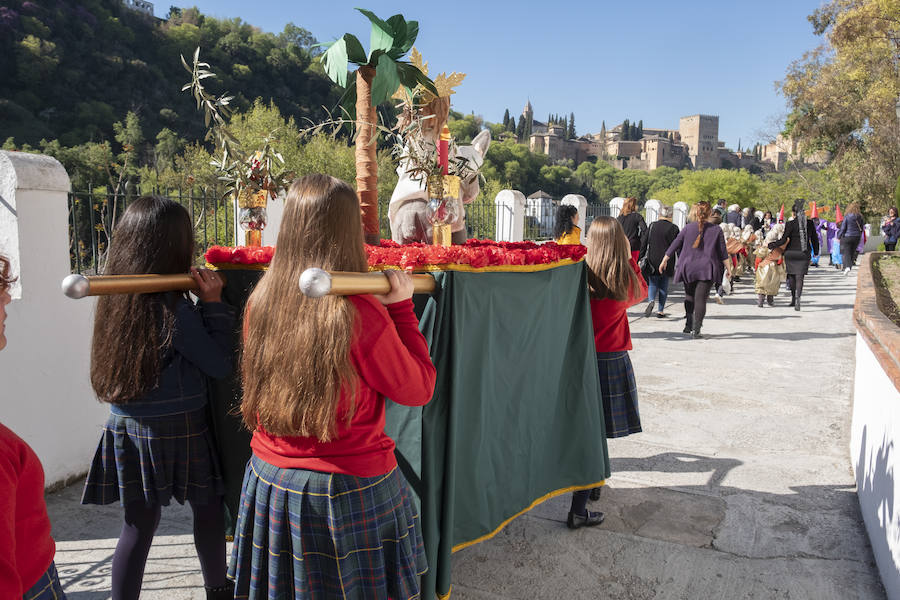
(378, 76)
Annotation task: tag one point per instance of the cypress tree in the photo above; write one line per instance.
(626, 130)
(571, 133)
(640, 130)
(506, 119)
(520, 128)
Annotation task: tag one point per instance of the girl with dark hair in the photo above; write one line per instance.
(633, 224)
(150, 357)
(566, 230)
(325, 512)
(702, 260)
(27, 569)
(799, 236)
(615, 285)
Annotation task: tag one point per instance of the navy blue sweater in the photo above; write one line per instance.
(201, 347)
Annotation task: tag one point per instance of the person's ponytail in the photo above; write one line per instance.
(703, 212)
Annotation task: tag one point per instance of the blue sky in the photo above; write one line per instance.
(655, 60)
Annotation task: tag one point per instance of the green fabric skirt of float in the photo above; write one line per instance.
(515, 418)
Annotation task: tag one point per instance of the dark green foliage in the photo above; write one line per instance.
(640, 130)
(69, 70)
(570, 134)
(506, 119)
(626, 130)
(520, 128)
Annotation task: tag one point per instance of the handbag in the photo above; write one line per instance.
(645, 259)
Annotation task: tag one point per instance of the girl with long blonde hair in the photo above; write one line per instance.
(702, 260)
(324, 509)
(616, 284)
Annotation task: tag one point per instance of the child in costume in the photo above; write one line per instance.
(150, 359)
(566, 230)
(615, 285)
(325, 511)
(770, 270)
(27, 569)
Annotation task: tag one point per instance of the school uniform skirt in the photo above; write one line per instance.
(47, 587)
(155, 459)
(619, 391)
(309, 535)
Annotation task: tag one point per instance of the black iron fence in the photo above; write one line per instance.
(94, 213)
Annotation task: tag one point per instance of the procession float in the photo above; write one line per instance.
(508, 323)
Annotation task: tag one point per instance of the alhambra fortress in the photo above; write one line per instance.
(694, 145)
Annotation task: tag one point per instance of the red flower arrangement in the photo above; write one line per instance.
(474, 254)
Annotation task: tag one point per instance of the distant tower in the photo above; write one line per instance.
(528, 113)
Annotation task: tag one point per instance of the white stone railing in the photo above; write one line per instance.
(47, 397)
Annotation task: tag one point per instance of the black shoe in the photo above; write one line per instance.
(770, 301)
(797, 305)
(697, 335)
(649, 310)
(595, 493)
(589, 519)
(793, 302)
(687, 329)
(661, 315)
(222, 592)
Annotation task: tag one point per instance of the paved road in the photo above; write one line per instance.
(739, 487)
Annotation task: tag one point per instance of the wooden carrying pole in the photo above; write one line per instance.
(79, 286)
(316, 283)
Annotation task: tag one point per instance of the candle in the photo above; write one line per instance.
(444, 151)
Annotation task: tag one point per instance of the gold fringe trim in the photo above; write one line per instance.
(237, 267)
(543, 498)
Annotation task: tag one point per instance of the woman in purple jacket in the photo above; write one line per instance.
(702, 260)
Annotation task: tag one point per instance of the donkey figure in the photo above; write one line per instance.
(407, 207)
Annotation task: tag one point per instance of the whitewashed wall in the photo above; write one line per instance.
(874, 444)
(47, 398)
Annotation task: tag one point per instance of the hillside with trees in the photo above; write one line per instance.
(70, 70)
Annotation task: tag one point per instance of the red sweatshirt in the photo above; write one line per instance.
(611, 331)
(391, 358)
(26, 548)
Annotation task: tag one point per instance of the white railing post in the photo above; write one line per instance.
(47, 361)
(510, 219)
(615, 206)
(580, 203)
(679, 214)
(651, 210)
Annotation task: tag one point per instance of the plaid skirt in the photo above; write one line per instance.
(47, 587)
(620, 401)
(314, 536)
(155, 459)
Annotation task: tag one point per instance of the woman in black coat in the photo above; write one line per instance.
(799, 235)
(660, 235)
(633, 224)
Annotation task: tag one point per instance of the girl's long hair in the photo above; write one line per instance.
(703, 212)
(296, 357)
(133, 331)
(564, 215)
(628, 206)
(608, 259)
(853, 209)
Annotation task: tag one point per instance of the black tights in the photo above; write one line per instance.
(795, 282)
(695, 296)
(138, 529)
(579, 502)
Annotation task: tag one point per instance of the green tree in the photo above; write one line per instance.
(843, 95)
(570, 134)
(626, 130)
(506, 119)
(520, 128)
